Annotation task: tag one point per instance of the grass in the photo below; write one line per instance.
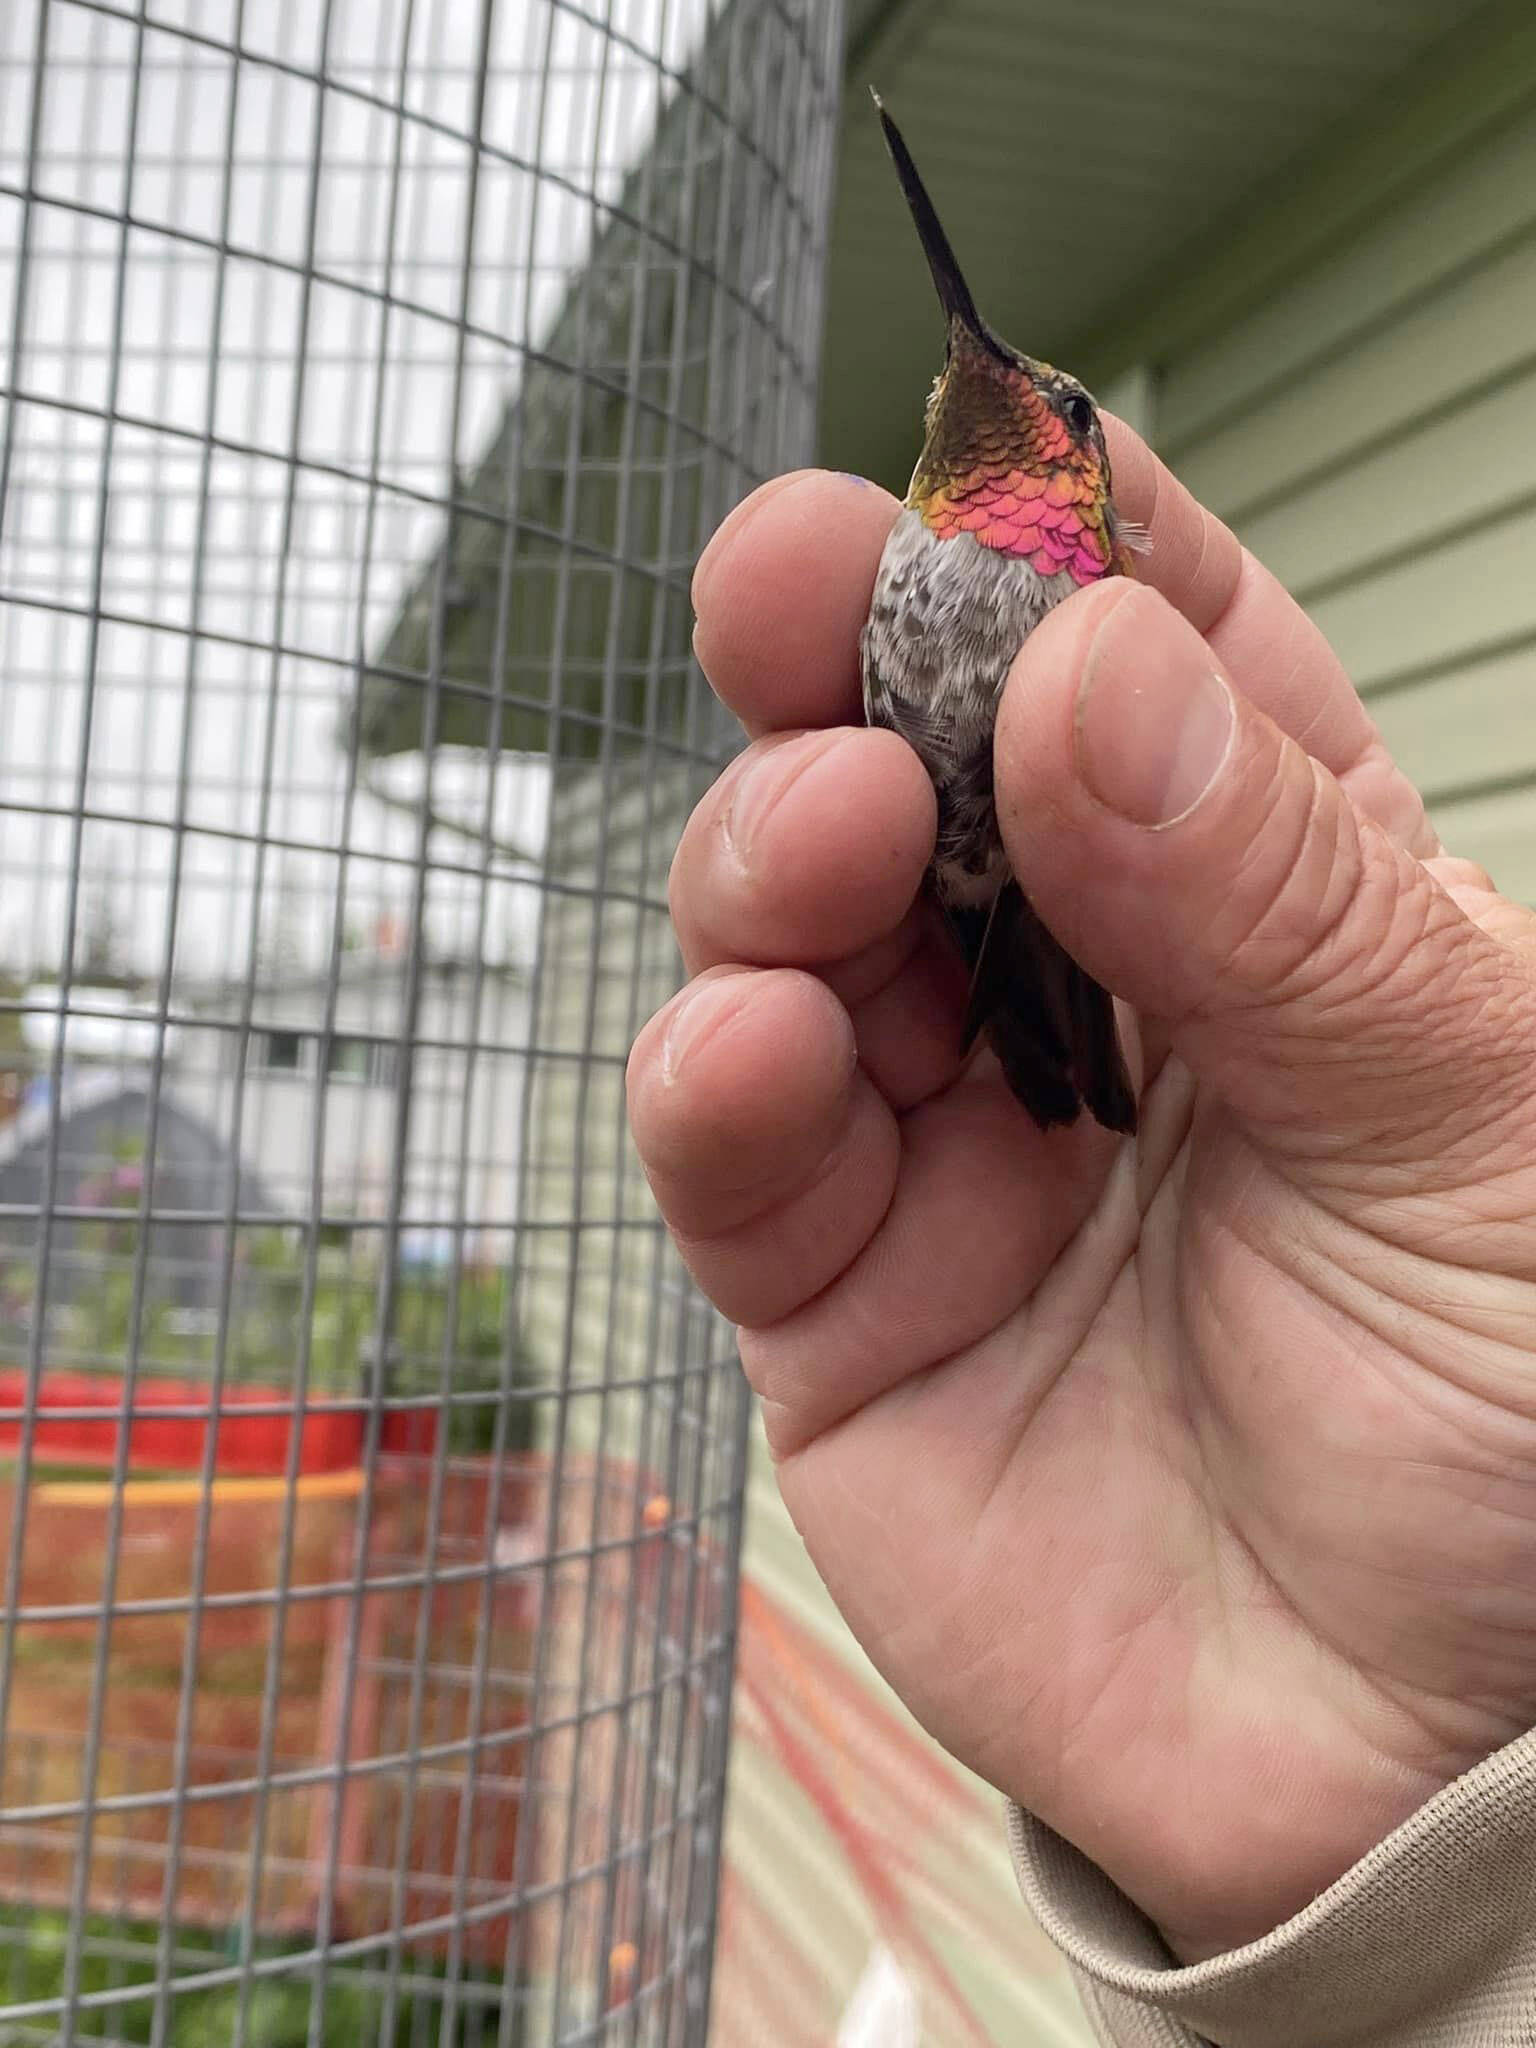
(61, 1470)
(118, 1954)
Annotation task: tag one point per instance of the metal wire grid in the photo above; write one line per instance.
(372, 1479)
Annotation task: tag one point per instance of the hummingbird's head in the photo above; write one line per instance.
(1013, 452)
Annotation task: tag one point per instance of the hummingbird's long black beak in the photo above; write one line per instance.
(954, 292)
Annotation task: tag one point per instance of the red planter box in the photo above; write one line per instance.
(331, 1439)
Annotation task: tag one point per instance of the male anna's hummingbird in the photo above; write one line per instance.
(1008, 512)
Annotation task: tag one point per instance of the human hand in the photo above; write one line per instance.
(1185, 1489)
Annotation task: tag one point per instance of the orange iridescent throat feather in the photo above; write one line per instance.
(1000, 463)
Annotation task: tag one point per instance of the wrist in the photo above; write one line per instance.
(1410, 1943)
(1232, 1862)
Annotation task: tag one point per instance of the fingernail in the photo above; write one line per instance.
(1154, 719)
(698, 1013)
(730, 530)
(771, 771)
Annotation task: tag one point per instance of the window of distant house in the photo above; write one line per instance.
(348, 1056)
(363, 1059)
(281, 1051)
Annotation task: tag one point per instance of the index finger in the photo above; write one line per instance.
(781, 593)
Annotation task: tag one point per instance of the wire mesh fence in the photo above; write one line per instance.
(370, 1478)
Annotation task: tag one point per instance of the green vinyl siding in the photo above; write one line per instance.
(1370, 431)
(1416, 619)
(1498, 830)
(605, 1300)
(1441, 733)
(1443, 477)
(1463, 216)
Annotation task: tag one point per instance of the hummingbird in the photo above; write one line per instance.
(1008, 512)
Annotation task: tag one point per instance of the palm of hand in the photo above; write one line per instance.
(1187, 1491)
(1242, 1544)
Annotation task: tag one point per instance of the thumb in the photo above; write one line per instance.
(1204, 867)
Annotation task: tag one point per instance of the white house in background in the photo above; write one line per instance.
(343, 1079)
(319, 1109)
(311, 1100)
(104, 1026)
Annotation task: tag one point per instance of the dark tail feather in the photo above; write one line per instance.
(1098, 1065)
(1051, 1025)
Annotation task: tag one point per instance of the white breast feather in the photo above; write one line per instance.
(946, 619)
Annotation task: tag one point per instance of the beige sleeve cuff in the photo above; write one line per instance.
(1428, 1942)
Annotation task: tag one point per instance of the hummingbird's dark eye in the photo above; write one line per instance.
(1077, 411)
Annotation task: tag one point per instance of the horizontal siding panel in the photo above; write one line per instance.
(1499, 832)
(1440, 350)
(1467, 213)
(1476, 725)
(1370, 430)
(1473, 596)
(1451, 476)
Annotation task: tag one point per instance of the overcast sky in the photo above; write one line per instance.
(561, 94)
